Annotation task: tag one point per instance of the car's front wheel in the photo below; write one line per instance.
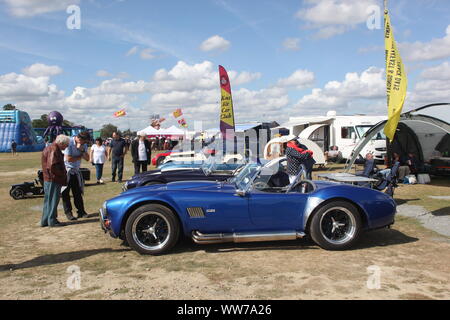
(336, 226)
(152, 229)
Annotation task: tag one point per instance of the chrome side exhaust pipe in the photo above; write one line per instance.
(238, 237)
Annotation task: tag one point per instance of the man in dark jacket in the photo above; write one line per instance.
(116, 154)
(54, 172)
(141, 153)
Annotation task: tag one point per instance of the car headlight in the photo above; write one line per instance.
(104, 208)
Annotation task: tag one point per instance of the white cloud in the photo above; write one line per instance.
(215, 43)
(29, 8)
(440, 72)
(147, 54)
(103, 73)
(132, 51)
(341, 95)
(291, 44)
(332, 17)
(433, 86)
(41, 70)
(15, 86)
(300, 79)
(435, 49)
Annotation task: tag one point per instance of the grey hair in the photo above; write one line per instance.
(62, 139)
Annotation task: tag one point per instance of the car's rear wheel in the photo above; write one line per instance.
(160, 161)
(17, 193)
(336, 226)
(152, 229)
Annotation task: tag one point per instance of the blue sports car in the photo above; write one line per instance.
(257, 204)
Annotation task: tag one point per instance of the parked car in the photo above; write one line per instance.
(180, 171)
(257, 204)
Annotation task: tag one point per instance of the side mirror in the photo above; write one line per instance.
(240, 193)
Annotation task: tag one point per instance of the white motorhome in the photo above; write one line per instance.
(341, 131)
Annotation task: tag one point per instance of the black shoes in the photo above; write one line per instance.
(70, 216)
(82, 215)
(57, 224)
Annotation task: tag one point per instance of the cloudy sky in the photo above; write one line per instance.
(285, 58)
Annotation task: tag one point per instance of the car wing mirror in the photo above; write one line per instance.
(240, 193)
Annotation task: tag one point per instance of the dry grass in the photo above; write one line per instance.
(34, 261)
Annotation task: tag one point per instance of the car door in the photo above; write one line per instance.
(223, 210)
(277, 211)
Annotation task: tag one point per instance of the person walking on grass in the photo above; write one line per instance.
(75, 152)
(141, 153)
(54, 172)
(98, 158)
(116, 154)
(14, 147)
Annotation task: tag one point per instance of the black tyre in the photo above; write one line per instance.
(160, 161)
(336, 226)
(152, 229)
(17, 193)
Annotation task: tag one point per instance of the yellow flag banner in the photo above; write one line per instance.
(396, 80)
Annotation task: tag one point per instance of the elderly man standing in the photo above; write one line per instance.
(76, 151)
(141, 153)
(54, 173)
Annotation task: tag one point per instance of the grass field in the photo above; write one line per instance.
(35, 262)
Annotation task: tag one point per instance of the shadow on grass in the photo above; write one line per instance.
(441, 212)
(50, 259)
(403, 201)
(371, 239)
(382, 238)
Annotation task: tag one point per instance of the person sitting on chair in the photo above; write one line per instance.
(370, 168)
(333, 155)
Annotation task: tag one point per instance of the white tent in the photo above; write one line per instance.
(149, 131)
(164, 132)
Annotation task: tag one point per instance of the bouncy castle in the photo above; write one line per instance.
(16, 125)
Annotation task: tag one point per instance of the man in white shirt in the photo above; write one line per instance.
(141, 153)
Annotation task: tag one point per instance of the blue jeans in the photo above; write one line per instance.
(98, 170)
(52, 195)
(117, 165)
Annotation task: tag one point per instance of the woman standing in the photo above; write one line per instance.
(99, 157)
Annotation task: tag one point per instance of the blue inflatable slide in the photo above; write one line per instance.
(16, 125)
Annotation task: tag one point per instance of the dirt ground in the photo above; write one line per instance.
(38, 263)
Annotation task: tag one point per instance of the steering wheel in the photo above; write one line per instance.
(304, 186)
(260, 185)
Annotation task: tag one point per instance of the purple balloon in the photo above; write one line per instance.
(55, 118)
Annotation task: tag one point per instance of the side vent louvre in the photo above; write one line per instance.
(196, 212)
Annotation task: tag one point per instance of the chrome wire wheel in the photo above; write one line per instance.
(338, 225)
(151, 230)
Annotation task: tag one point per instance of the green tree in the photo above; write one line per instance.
(9, 106)
(107, 130)
(41, 122)
(129, 133)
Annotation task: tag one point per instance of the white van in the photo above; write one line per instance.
(341, 131)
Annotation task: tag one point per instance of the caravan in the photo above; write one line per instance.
(341, 131)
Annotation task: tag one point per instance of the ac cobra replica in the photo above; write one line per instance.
(257, 204)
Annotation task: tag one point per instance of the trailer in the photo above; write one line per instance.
(341, 131)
